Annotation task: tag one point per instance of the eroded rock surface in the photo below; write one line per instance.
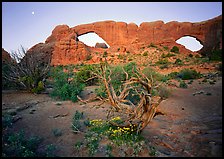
(67, 49)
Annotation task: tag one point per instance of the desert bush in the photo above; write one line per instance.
(85, 74)
(105, 54)
(167, 55)
(164, 66)
(99, 129)
(178, 62)
(165, 47)
(89, 57)
(187, 74)
(215, 55)
(162, 61)
(175, 49)
(151, 45)
(145, 53)
(190, 55)
(150, 72)
(27, 70)
(65, 84)
(57, 132)
(17, 145)
(182, 84)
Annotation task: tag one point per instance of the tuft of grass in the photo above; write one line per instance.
(57, 132)
(187, 74)
(145, 53)
(183, 84)
(175, 49)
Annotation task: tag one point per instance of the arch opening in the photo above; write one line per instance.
(191, 43)
(91, 39)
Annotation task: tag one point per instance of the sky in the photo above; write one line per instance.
(28, 23)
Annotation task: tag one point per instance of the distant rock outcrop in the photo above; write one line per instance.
(67, 49)
(5, 56)
(101, 45)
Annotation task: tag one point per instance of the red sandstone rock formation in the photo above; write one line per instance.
(101, 45)
(67, 49)
(5, 56)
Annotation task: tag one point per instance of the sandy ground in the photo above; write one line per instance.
(191, 126)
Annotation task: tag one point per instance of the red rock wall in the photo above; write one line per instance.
(69, 50)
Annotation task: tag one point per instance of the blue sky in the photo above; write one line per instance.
(21, 27)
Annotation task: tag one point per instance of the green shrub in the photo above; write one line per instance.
(6, 121)
(183, 84)
(57, 132)
(148, 71)
(17, 145)
(187, 74)
(88, 57)
(162, 61)
(215, 55)
(167, 55)
(65, 85)
(39, 88)
(165, 47)
(145, 53)
(190, 55)
(105, 54)
(85, 73)
(163, 91)
(175, 49)
(152, 45)
(164, 66)
(178, 62)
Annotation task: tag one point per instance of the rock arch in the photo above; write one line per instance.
(68, 50)
(191, 41)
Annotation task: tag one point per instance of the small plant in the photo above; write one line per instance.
(175, 49)
(57, 132)
(50, 150)
(165, 47)
(78, 115)
(162, 61)
(182, 84)
(178, 62)
(145, 53)
(17, 145)
(187, 74)
(164, 66)
(190, 55)
(152, 151)
(108, 151)
(76, 123)
(7, 121)
(167, 55)
(105, 54)
(152, 45)
(88, 57)
(78, 145)
(215, 55)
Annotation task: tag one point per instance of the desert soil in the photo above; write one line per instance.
(191, 124)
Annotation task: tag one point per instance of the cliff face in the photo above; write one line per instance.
(67, 49)
(5, 56)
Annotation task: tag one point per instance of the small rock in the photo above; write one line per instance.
(11, 112)
(16, 118)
